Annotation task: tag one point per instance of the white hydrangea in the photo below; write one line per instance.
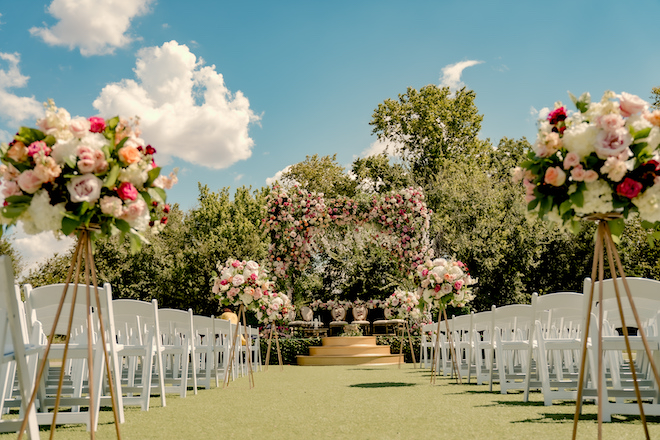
(65, 151)
(135, 173)
(648, 204)
(597, 199)
(41, 215)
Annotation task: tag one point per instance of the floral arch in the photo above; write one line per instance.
(297, 219)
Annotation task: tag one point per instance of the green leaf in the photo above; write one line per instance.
(158, 194)
(146, 197)
(577, 198)
(637, 149)
(13, 211)
(112, 123)
(122, 225)
(648, 225)
(19, 199)
(153, 175)
(69, 225)
(111, 178)
(533, 204)
(50, 140)
(28, 135)
(641, 134)
(565, 207)
(616, 227)
(656, 235)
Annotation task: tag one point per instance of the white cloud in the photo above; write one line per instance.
(238, 177)
(12, 107)
(97, 27)
(278, 176)
(451, 74)
(185, 109)
(380, 146)
(35, 249)
(5, 136)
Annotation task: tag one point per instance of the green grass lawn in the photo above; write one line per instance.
(355, 402)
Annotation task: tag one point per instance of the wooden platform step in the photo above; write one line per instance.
(353, 350)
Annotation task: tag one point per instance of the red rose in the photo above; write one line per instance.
(629, 188)
(97, 124)
(557, 115)
(127, 191)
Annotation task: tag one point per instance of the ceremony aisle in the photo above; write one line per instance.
(353, 402)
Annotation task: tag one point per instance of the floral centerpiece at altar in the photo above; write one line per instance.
(93, 173)
(600, 159)
(443, 282)
(403, 304)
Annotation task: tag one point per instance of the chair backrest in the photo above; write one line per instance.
(306, 313)
(360, 313)
(175, 324)
(562, 310)
(134, 318)
(513, 319)
(645, 293)
(338, 313)
(42, 304)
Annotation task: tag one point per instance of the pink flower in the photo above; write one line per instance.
(458, 285)
(629, 188)
(557, 115)
(610, 121)
(91, 160)
(134, 211)
(29, 182)
(85, 188)
(38, 147)
(590, 176)
(631, 104)
(235, 263)
(11, 188)
(127, 191)
(47, 169)
(112, 206)
(577, 174)
(97, 125)
(555, 176)
(612, 143)
(79, 127)
(17, 152)
(571, 160)
(238, 280)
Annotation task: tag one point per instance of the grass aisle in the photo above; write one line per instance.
(354, 402)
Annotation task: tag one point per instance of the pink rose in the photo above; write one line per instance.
(38, 147)
(631, 104)
(590, 176)
(112, 206)
(458, 285)
(91, 160)
(127, 191)
(97, 125)
(238, 280)
(555, 176)
(85, 188)
(134, 211)
(29, 182)
(11, 188)
(577, 174)
(79, 127)
(611, 122)
(571, 160)
(612, 143)
(629, 188)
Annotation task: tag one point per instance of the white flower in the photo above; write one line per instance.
(597, 198)
(79, 126)
(42, 216)
(580, 139)
(648, 204)
(85, 188)
(135, 173)
(66, 151)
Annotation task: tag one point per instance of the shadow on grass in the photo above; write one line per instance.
(383, 385)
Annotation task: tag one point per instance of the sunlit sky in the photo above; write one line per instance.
(233, 92)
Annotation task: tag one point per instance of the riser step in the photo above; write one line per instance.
(350, 360)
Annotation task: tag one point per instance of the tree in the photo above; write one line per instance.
(321, 175)
(6, 248)
(655, 97)
(430, 126)
(378, 174)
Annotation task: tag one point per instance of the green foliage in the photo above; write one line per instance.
(655, 97)
(6, 248)
(378, 174)
(321, 175)
(289, 348)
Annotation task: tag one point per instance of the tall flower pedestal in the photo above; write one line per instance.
(82, 257)
(274, 334)
(234, 344)
(604, 241)
(434, 367)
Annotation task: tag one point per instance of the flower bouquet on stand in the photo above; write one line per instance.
(600, 163)
(243, 284)
(443, 282)
(87, 177)
(402, 307)
(274, 308)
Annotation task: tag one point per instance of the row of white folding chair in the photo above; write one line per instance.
(20, 352)
(620, 387)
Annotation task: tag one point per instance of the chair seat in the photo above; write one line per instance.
(361, 322)
(301, 324)
(389, 321)
(338, 323)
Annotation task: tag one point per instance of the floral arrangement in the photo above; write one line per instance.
(602, 158)
(403, 304)
(274, 307)
(242, 282)
(295, 218)
(369, 304)
(92, 173)
(444, 282)
(351, 330)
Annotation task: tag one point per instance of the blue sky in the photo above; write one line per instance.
(233, 92)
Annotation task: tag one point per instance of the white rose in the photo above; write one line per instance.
(85, 188)
(252, 266)
(238, 280)
(79, 127)
(64, 152)
(580, 139)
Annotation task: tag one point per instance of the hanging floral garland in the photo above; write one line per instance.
(296, 217)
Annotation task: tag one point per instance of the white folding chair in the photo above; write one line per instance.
(482, 347)
(513, 331)
(223, 329)
(617, 381)
(42, 303)
(204, 363)
(177, 335)
(139, 350)
(557, 346)
(461, 327)
(19, 352)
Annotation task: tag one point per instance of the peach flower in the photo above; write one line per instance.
(18, 152)
(555, 176)
(129, 154)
